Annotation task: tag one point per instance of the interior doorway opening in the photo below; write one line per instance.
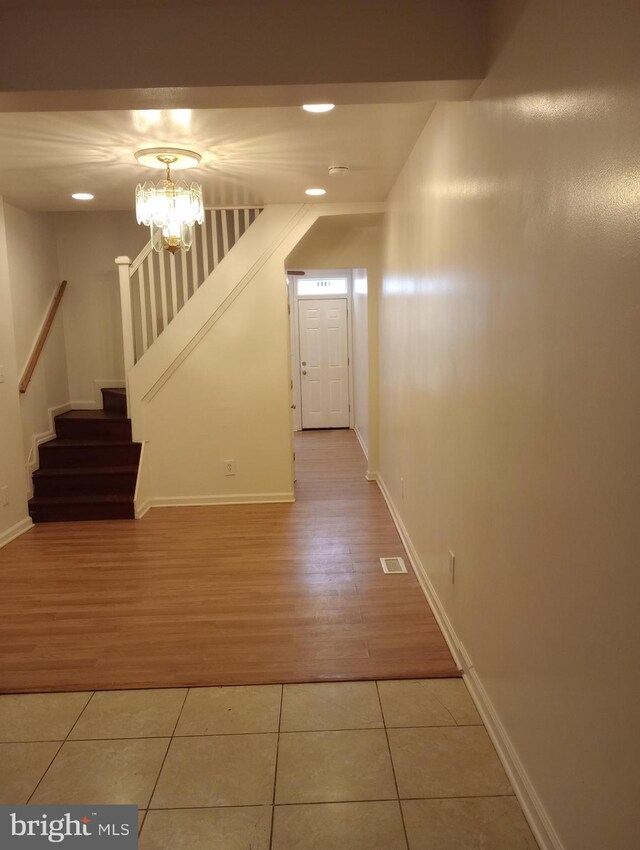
(321, 310)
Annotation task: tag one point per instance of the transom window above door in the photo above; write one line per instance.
(319, 286)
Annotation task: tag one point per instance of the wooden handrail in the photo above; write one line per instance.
(42, 338)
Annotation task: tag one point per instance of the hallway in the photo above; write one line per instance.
(398, 762)
(235, 594)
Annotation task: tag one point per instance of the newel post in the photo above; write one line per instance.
(124, 264)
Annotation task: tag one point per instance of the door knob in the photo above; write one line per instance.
(304, 371)
(304, 362)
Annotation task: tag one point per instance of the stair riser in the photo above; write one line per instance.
(93, 429)
(81, 513)
(83, 456)
(76, 485)
(114, 402)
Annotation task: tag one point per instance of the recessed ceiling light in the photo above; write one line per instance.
(315, 191)
(319, 107)
(82, 196)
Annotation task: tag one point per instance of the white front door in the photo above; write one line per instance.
(324, 370)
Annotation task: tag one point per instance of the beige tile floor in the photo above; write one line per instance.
(335, 766)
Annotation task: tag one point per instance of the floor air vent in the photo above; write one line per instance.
(393, 565)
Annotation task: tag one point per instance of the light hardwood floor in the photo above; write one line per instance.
(241, 594)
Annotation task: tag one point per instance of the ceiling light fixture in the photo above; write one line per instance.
(315, 191)
(82, 196)
(318, 107)
(169, 208)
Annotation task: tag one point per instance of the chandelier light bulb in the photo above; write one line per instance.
(169, 208)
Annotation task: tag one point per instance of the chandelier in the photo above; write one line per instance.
(169, 208)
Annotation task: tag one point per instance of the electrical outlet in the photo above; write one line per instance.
(452, 566)
(229, 467)
(4, 496)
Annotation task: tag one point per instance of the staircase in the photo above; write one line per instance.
(89, 470)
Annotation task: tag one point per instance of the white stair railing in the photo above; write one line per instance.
(156, 286)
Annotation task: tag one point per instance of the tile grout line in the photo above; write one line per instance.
(241, 734)
(289, 805)
(275, 770)
(319, 803)
(328, 802)
(62, 743)
(155, 784)
(393, 768)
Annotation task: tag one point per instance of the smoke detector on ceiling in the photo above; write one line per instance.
(338, 170)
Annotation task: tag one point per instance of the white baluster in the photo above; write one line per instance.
(163, 291)
(247, 219)
(152, 296)
(194, 268)
(174, 283)
(205, 250)
(236, 226)
(143, 310)
(185, 276)
(225, 233)
(124, 278)
(214, 237)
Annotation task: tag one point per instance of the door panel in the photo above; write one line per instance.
(335, 396)
(324, 365)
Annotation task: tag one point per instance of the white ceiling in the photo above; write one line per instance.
(250, 156)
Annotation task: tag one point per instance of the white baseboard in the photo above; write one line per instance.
(532, 806)
(85, 405)
(33, 461)
(15, 531)
(421, 574)
(370, 476)
(142, 509)
(229, 499)
(184, 501)
(363, 445)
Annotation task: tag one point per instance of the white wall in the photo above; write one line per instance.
(509, 390)
(215, 386)
(13, 516)
(338, 243)
(228, 401)
(34, 279)
(88, 243)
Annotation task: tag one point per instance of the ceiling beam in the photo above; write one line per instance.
(94, 47)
